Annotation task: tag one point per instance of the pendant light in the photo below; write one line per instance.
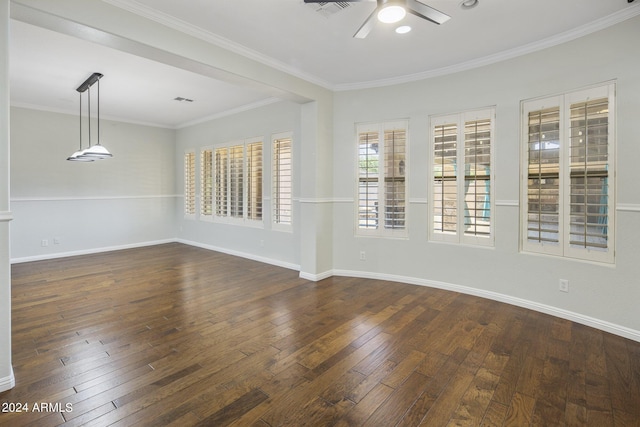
(97, 151)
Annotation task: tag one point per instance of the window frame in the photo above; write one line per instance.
(277, 199)
(380, 128)
(564, 102)
(459, 120)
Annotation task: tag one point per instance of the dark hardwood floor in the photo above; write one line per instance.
(177, 335)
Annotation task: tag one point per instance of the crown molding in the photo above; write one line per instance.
(230, 112)
(567, 36)
(225, 113)
(36, 199)
(48, 109)
(182, 26)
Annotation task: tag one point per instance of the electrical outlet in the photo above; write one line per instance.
(563, 285)
(44, 242)
(56, 240)
(363, 256)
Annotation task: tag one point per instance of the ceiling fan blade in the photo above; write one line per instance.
(366, 27)
(426, 12)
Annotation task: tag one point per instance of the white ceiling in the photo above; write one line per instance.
(288, 35)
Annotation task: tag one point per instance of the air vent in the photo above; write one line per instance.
(326, 9)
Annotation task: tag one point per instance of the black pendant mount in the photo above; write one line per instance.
(89, 82)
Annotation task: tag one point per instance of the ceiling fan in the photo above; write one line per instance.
(390, 11)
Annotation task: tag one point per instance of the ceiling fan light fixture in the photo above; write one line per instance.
(391, 14)
(469, 4)
(403, 29)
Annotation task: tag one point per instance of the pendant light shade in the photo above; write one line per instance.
(78, 156)
(97, 151)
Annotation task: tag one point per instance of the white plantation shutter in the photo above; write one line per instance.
(477, 177)
(254, 180)
(382, 168)
(543, 180)
(237, 168)
(190, 183)
(589, 174)
(236, 181)
(462, 172)
(282, 180)
(395, 144)
(445, 188)
(206, 182)
(368, 180)
(570, 170)
(222, 181)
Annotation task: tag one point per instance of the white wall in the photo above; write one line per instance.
(601, 295)
(120, 202)
(263, 243)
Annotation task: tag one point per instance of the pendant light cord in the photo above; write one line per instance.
(98, 111)
(80, 115)
(89, 112)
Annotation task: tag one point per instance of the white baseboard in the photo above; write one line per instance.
(602, 325)
(316, 277)
(240, 254)
(7, 383)
(89, 251)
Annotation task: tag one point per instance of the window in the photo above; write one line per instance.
(282, 180)
(206, 183)
(382, 166)
(462, 177)
(238, 181)
(568, 161)
(190, 183)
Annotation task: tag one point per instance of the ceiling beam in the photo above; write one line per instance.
(98, 22)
